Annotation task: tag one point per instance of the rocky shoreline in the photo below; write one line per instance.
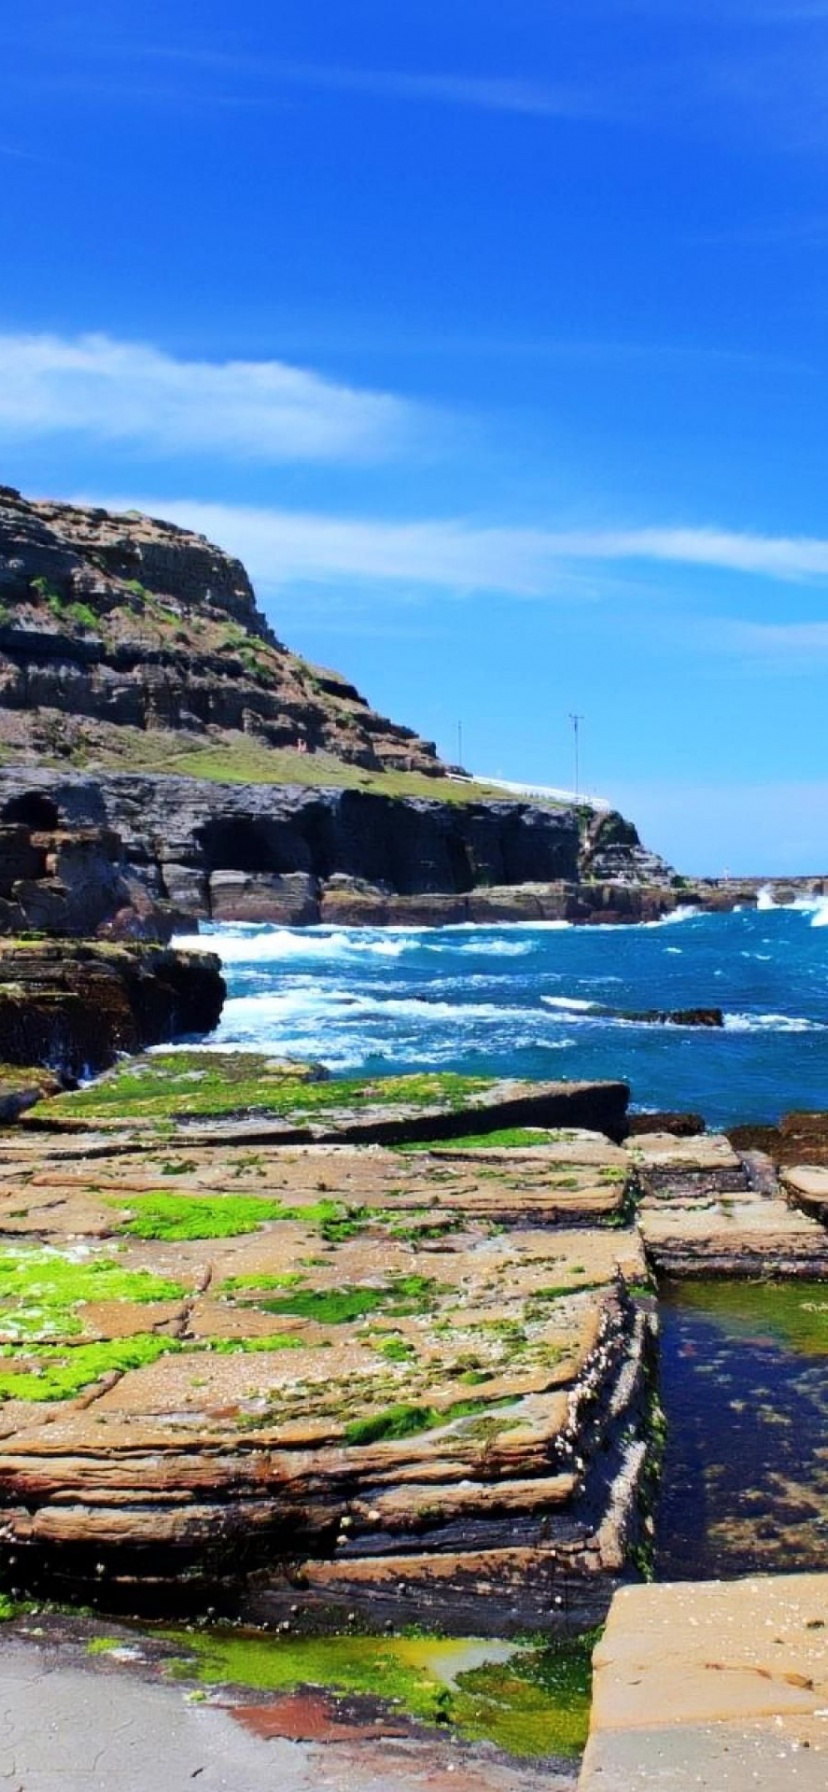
(141, 854)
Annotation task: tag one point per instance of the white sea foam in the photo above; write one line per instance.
(816, 906)
(772, 1023)
(575, 1003)
(267, 1008)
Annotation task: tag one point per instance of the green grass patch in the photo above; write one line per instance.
(41, 1291)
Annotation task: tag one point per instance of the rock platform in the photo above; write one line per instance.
(706, 1210)
(327, 1377)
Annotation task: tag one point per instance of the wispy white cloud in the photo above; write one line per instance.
(804, 642)
(487, 93)
(280, 546)
(133, 392)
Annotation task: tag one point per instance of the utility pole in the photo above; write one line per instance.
(460, 743)
(576, 726)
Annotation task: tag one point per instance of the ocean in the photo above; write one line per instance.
(526, 1001)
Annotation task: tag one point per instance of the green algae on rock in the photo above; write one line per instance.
(202, 1084)
(43, 1293)
(59, 1372)
(254, 1099)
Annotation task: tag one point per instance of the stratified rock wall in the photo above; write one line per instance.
(122, 621)
(185, 836)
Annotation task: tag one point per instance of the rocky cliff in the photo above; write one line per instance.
(264, 852)
(132, 651)
(113, 627)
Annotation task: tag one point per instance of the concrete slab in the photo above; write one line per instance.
(714, 1685)
(103, 1726)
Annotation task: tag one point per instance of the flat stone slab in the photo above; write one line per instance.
(247, 1097)
(706, 1210)
(666, 1151)
(715, 1685)
(732, 1235)
(572, 1181)
(807, 1185)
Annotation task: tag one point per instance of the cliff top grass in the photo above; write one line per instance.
(231, 757)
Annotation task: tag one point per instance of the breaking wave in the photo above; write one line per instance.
(549, 1000)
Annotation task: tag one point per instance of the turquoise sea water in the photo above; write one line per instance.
(525, 1001)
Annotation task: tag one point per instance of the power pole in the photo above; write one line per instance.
(576, 726)
(460, 743)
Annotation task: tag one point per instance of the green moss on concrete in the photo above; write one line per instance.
(511, 1138)
(173, 1218)
(340, 1306)
(395, 1348)
(406, 1420)
(530, 1701)
(43, 1293)
(250, 1284)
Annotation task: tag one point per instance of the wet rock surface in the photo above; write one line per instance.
(73, 1007)
(90, 1707)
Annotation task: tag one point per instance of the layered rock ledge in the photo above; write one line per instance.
(72, 1007)
(325, 1377)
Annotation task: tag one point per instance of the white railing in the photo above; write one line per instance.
(598, 803)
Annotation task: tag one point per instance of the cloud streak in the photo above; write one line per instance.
(281, 547)
(133, 392)
(804, 641)
(489, 94)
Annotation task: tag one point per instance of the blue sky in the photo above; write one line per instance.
(494, 339)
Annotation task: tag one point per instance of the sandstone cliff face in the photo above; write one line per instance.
(123, 622)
